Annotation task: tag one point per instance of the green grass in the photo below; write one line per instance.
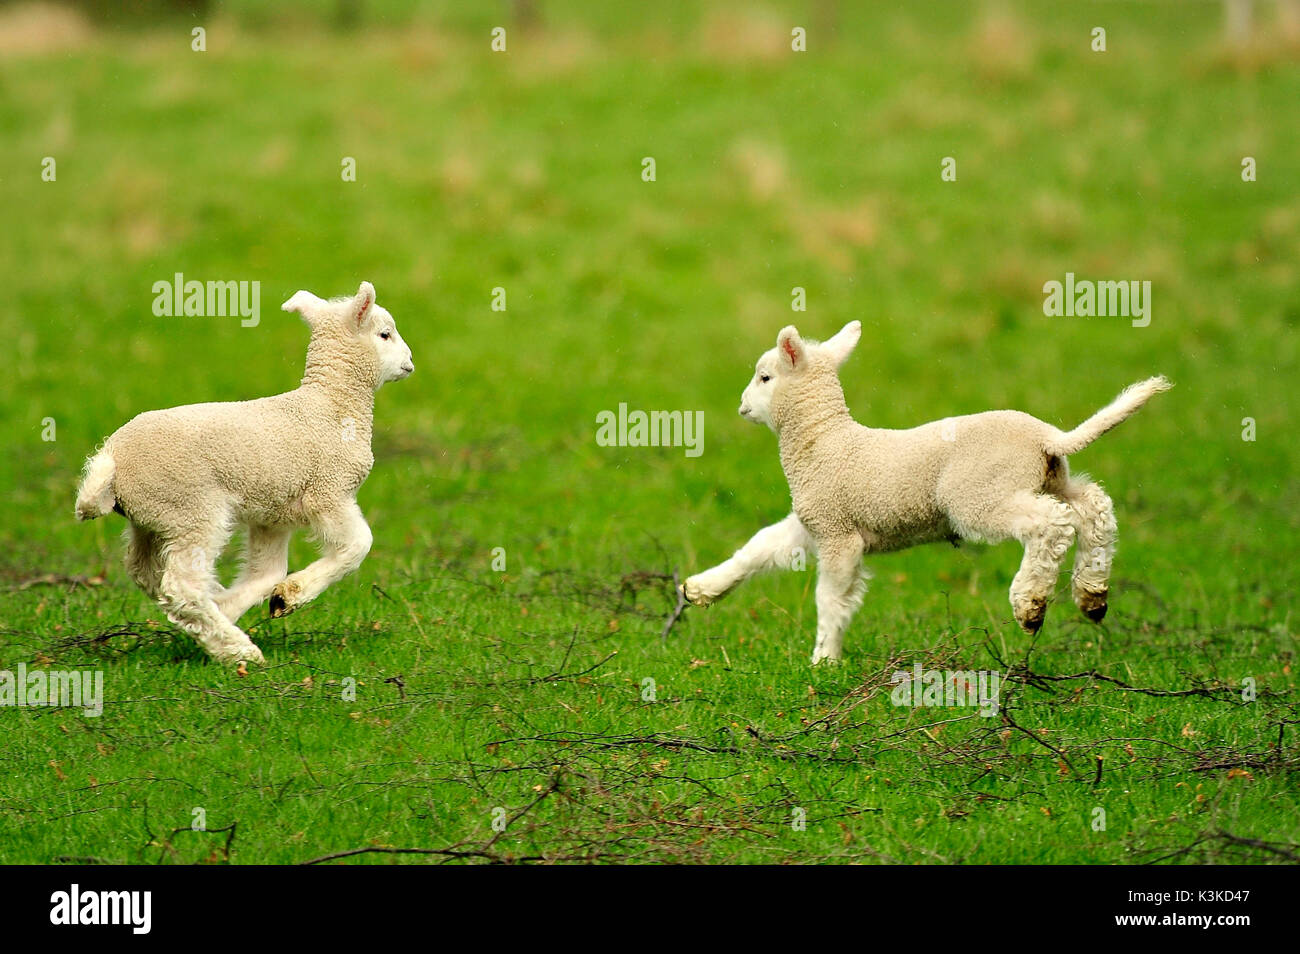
(523, 689)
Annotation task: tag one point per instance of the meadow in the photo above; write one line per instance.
(495, 683)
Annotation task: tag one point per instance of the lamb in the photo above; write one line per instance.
(856, 490)
(185, 477)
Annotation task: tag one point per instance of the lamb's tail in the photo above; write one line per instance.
(95, 496)
(1129, 401)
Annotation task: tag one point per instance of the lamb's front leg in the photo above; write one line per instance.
(841, 582)
(784, 545)
(345, 541)
(266, 561)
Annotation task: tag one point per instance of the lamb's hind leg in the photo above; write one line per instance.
(186, 593)
(1045, 525)
(784, 545)
(841, 582)
(345, 540)
(1098, 532)
(266, 563)
(144, 560)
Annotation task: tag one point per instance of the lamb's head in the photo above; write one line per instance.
(356, 333)
(793, 367)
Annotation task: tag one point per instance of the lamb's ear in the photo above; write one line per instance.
(305, 304)
(842, 345)
(790, 348)
(361, 305)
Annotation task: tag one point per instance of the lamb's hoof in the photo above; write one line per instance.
(1092, 605)
(283, 599)
(820, 659)
(1030, 615)
(696, 594)
(239, 655)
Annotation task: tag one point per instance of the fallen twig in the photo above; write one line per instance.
(677, 610)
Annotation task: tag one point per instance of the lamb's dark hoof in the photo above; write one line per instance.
(1031, 618)
(1093, 605)
(1097, 614)
(281, 595)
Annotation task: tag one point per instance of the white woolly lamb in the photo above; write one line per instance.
(185, 477)
(855, 490)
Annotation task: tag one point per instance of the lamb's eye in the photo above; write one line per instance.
(765, 378)
(385, 335)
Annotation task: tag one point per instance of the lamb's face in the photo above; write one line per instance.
(793, 357)
(394, 356)
(354, 333)
(756, 401)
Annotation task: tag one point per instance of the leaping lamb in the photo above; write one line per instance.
(185, 477)
(856, 490)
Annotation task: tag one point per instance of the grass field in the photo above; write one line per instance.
(522, 694)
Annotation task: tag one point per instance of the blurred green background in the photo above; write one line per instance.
(775, 169)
